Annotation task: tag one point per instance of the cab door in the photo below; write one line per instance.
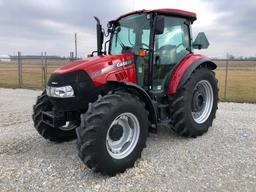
(142, 62)
(170, 48)
(130, 36)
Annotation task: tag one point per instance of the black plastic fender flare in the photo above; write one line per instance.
(142, 94)
(201, 62)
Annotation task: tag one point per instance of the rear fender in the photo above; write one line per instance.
(185, 69)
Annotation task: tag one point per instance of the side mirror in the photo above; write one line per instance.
(159, 25)
(100, 36)
(201, 41)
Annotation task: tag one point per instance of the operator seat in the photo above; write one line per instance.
(167, 59)
(167, 55)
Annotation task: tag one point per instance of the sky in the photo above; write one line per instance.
(32, 26)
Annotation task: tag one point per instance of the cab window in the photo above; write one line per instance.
(170, 48)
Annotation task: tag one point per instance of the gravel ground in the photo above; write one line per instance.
(224, 159)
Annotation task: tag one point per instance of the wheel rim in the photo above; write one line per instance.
(202, 101)
(122, 136)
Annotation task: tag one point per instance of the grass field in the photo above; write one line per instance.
(241, 84)
(31, 76)
(32, 73)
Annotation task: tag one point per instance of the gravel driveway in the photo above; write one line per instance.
(224, 159)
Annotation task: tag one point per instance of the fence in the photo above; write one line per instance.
(30, 71)
(236, 78)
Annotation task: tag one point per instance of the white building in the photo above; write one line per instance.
(5, 58)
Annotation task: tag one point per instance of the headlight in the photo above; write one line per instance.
(62, 92)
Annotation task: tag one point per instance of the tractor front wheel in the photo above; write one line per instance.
(60, 134)
(113, 133)
(194, 106)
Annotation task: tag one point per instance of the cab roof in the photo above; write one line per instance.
(174, 12)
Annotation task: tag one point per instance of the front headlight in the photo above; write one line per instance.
(61, 92)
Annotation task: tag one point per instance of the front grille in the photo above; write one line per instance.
(84, 90)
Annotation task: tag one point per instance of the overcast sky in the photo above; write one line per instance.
(32, 26)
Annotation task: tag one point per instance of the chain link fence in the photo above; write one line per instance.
(236, 78)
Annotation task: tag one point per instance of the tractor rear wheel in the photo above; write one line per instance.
(61, 134)
(113, 133)
(193, 107)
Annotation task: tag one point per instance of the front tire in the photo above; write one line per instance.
(113, 133)
(193, 106)
(61, 134)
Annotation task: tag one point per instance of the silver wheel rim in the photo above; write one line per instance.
(202, 101)
(120, 148)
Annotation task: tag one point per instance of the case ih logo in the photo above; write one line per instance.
(124, 63)
(111, 67)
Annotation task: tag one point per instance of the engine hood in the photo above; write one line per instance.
(94, 64)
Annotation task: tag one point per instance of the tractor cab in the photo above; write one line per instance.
(169, 44)
(157, 39)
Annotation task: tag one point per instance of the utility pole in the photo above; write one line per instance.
(75, 46)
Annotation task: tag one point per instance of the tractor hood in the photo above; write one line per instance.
(96, 65)
(84, 77)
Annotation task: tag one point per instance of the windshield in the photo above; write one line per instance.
(130, 34)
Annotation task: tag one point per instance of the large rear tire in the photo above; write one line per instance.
(113, 133)
(61, 134)
(194, 106)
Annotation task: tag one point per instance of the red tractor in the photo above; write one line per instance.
(149, 76)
